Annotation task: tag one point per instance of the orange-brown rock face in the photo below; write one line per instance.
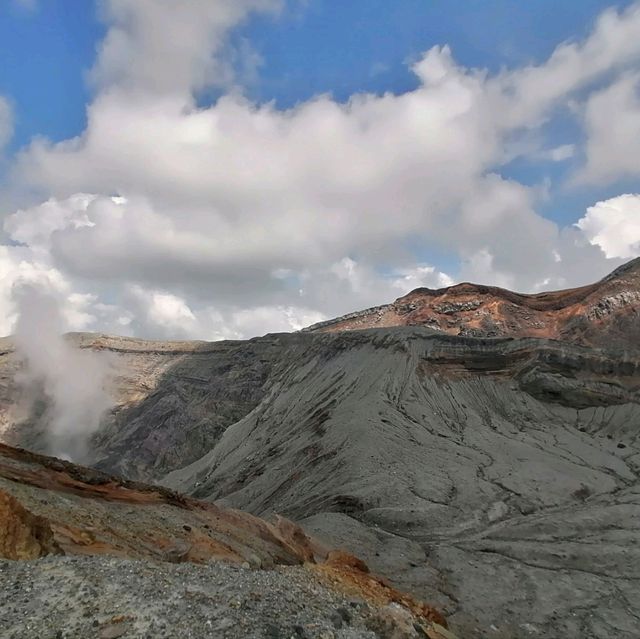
(22, 534)
(50, 506)
(351, 575)
(604, 313)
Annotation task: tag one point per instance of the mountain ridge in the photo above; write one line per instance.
(487, 311)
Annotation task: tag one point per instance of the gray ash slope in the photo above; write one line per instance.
(497, 478)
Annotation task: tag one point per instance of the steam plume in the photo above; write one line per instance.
(73, 380)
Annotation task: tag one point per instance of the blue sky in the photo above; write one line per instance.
(364, 45)
(45, 52)
(322, 46)
(255, 190)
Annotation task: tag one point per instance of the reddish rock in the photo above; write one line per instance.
(606, 313)
(23, 535)
(51, 506)
(349, 574)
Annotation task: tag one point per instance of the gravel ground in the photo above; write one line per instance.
(107, 598)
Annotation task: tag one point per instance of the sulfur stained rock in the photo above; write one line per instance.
(22, 534)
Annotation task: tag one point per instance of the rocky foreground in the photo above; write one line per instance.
(90, 555)
(106, 597)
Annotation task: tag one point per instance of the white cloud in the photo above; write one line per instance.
(612, 122)
(168, 47)
(239, 218)
(613, 45)
(164, 315)
(19, 267)
(169, 311)
(558, 153)
(251, 321)
(421, 276)
(614, 225)
(241, 188)
(34, 226)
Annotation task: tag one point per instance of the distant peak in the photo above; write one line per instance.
(601, 314)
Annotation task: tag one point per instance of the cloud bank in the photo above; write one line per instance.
(614, 226)
(169, 218)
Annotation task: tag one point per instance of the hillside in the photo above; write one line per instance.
(491, 472)
(239, 577)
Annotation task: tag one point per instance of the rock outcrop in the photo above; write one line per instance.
(49, 506)
(601, 314)
(22, 534)
(52, 507)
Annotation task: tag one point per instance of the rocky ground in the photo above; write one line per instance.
(106, 598)
(154, 563)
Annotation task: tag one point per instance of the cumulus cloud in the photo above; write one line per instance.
(612, 123)
(168, 47)
(163, 315)
(190, 220)
(19, 267)
(613, 45)
(614, 225)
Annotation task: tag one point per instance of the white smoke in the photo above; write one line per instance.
(74, 380)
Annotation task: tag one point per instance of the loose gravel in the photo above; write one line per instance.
(108, 598)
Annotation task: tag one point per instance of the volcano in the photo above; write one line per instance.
(476, 447)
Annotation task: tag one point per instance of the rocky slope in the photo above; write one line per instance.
(497, 478)
(49, 506)
(105, 597)
(601, 314)
(243, 576)
(489, 466)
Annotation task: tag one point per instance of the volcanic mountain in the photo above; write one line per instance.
(601, 314)
(479, 448)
